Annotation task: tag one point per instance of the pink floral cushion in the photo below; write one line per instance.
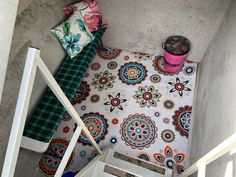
(90, 12)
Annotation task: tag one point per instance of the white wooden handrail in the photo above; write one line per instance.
(226, 146)
(33, 61)
(68, 152)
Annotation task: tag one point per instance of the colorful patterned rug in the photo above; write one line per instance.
(127, 99)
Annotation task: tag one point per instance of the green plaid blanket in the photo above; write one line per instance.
(49, 112)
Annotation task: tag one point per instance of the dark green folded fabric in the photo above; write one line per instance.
(69, 75)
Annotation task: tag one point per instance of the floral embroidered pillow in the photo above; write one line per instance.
(90, 12)
(73, 34)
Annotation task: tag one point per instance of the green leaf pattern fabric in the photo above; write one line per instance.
(66, 28)
(73, 34)
(81, 25)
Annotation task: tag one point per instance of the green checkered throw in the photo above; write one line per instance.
(69, 75)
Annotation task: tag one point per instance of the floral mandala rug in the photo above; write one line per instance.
(128, 99)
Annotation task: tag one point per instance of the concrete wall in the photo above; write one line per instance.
(31, 29)
(8, 11)
(143, 25)
(23, 4)
(134, 25)
(214, 112)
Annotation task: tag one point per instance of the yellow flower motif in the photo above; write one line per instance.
(147, 96)
(103, 80)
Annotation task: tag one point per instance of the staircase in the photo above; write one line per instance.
(116, 164)
(107, 163)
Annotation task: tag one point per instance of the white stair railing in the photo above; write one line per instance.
(200, 166)
(34, 62)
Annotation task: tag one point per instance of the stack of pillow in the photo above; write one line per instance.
(76, 32)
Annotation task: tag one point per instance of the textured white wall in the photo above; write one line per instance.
(31, 29)
(8, 9)
(140, 25)
(23, 4)
(134, 25)
(214, 112)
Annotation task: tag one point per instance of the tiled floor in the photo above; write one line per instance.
(128, 100)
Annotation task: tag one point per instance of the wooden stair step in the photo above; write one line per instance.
(135, 165)
(116, 164)
(140, 163)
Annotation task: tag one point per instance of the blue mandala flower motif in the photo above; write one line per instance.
(132, 73)
(138, 131)
(97, 125)
(51, 159)
(169, 158)
(185, 120)
(182, 120)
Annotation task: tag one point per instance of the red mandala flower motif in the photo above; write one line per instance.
(126, 57)
(169, 158)
(182, 120)
(168, 135)
(94, 98)
(166, 120)
(51, 159)
(86, 75)
(109, 53)
(157, 114)
(82, 93)
(138, 131)
(168, 104)
(115, 121)
(158, 66)
(96, 124)
(144, 156)
(66, 129)
(155, 78)
(95, 66)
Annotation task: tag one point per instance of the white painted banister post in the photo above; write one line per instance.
(33, 62)
(226, 146)
(20, 113)
(201, 170)
(174, 172)
(68, 152)
(8, 11)
(51, 82)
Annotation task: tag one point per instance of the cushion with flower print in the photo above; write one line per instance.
(90, 12)
(73, 34)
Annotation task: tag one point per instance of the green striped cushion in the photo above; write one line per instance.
(69, 75)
